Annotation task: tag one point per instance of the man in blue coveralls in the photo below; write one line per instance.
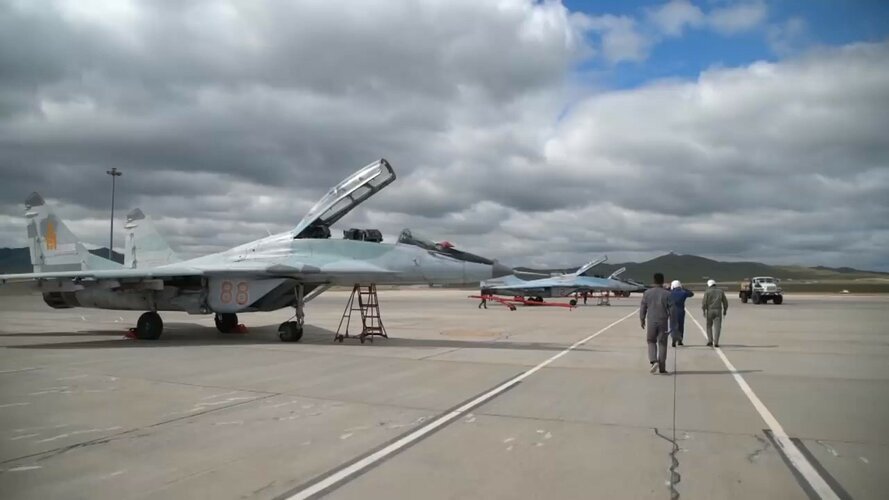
(678, 294)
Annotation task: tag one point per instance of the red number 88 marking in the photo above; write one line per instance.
(225, 296)
(243, 295)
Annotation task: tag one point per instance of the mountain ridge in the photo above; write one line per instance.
(696, 269)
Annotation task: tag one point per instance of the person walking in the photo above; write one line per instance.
(678, 294)
(655, 313)
(484, 294)
(715, 307)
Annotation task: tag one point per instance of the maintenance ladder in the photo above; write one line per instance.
(369, 305)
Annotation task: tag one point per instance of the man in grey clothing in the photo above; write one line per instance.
(715, 307)
(655, 311)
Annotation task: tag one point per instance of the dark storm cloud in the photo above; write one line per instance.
(230, 119)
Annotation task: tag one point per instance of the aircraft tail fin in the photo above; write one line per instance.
(54, 247)
(589, 265)
(145, 246)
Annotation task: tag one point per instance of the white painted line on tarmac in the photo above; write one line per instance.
(793, 454)
(373, 458)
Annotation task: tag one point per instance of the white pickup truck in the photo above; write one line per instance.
(760, 290)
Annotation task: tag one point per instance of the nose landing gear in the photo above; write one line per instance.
(292, 331)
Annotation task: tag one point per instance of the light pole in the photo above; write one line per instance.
(114, 173)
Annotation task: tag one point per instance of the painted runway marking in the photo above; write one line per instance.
(25, 468)
(9, 405)
(791, 451)
(361, 465)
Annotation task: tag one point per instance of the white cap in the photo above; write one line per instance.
(675, 284)
(711, 282)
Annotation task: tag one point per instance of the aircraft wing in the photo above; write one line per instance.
(346, 271)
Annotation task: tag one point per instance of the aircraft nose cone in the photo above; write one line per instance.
(498, 270)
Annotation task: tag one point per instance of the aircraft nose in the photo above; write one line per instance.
(498, 270)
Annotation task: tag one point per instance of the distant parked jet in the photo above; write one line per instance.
(557, 286)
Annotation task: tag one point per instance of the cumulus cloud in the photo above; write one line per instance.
(737, 17)
(773, 154)
(230, 119)
(620, 37)
(789, 37)
(672, 17)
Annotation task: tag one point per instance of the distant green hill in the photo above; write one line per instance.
(14, 260)
(695, 269)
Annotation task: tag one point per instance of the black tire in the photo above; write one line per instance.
(290, 331)
(150, 326)
(757, 298)
(572, 302)
(743, 297)
(779, 300)
(226, 322)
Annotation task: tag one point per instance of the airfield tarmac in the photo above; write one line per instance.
(85, 413)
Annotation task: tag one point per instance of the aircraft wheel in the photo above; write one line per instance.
(290, 331)
(226, 322)
(150, 326)
(572, 302)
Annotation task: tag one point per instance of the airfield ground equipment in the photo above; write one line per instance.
(760, 290)
(510, 302)
(365, 301)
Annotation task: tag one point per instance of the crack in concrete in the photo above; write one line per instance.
(675, 477)
(756, 453)
(130, 433)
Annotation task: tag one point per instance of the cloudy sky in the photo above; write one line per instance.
(541, 133)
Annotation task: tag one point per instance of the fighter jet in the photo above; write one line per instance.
(282, 270)
(557, 286)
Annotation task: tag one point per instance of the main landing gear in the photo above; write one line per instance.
(292, 331)
(226, 322)
(149, 327)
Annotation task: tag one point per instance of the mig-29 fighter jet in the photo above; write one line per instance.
(564, 285)
(282, 270)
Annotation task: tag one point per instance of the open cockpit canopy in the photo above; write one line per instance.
(344, 197)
